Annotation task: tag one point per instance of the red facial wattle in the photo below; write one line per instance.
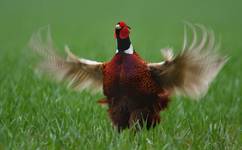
(122, 24)
(121, 30)
(124, 33)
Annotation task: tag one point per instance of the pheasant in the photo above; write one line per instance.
(137, 91)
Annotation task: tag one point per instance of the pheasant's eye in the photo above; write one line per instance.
(122, 24)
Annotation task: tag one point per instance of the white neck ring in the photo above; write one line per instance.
(130, 50)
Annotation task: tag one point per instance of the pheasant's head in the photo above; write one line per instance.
(122, 30)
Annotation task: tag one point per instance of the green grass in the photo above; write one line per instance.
(37, 113)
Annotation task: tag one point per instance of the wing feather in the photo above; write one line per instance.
(79, 73)
(193, 69)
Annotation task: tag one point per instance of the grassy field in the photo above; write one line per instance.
(36, 113)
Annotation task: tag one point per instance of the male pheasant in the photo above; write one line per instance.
(136, 91)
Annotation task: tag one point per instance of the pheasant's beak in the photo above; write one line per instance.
(117, 26)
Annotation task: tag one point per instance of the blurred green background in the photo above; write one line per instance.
(36, 113)
(83, 24)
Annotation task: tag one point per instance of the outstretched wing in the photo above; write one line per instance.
(79, 73)
(193, 69)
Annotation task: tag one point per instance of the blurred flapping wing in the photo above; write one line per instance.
(193, 69)
(79, 73)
